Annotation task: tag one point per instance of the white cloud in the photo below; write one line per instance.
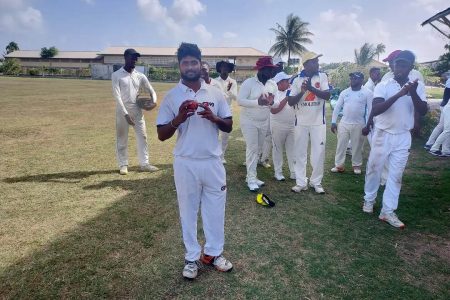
(431, 6)
(229, 35)
(18, 16)
(90, 2)
(343, 26)
(175, 21)
(183, 10)
(202, 34)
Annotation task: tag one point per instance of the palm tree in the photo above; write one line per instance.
(291, 39)
(12, 46)
(365, 54)
(380, 49)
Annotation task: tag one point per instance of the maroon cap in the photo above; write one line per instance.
(265, 61)
(392, 56)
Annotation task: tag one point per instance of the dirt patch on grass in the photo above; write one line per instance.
(433, 251)
(19, 133)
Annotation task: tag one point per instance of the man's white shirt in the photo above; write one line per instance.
(370, 85)
(197, 137)
(355, 103)
(284, 118)
(413, 75)
(310, 110)
(251, 89)
(231, 94)
(126, 87)
(399, 118)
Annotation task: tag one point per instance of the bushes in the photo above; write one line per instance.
(162, 74)
(10, 66)
(33, 72)
(428, 122)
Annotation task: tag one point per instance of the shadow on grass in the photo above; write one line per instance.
(100, 258)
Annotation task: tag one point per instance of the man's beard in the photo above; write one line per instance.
(191, 78)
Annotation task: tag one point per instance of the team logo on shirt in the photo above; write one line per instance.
(223, 188)
(206, 103)
(310, 96)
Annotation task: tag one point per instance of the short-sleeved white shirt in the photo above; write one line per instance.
(399, 118)
(413, 75)
(355, 104)
(310, 110)
(197, 137)
(286, 117)
(251, 89)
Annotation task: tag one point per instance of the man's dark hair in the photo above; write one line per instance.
(187, 49)
(373, 69)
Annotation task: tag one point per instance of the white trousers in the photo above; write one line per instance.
(393, 149)
(267, 145)
(346, 133)
(254, 134)
(201, 183)
(444, 138)
(224, 138)
(283, 138)
(317, 134)
(438, 129)
(122, 127)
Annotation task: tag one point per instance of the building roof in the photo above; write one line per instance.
(376, 63)
(171, 51)
(61, 54)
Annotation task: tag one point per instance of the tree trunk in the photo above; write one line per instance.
(289, 57)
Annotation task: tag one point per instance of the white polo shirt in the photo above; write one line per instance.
(310, 110)
(197, 137)
(126, 88)
(370, 85)
(399, 118)
(286, 117)
(231, 94)
(355, 104)
(413, 75)
(251, 89)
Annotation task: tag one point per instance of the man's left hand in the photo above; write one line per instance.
(207, 113)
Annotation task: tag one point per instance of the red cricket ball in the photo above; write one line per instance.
(192, 105)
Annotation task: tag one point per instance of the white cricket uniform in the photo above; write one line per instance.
(413, 75)
(230, 95)
(391, 142)
(282, 126)
(310, 124)
(254, 120)
(125, 88)
(199, 174)
(355, 104)
(444, 138)
(440, 126)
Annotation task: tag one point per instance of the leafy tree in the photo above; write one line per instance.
(48, 52)
(11, 66)
(291, 38)
(12, 46)
(380, 49)
(365, 54)
(444, 62)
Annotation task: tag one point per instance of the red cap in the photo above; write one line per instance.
(392, 56)
(265, 61)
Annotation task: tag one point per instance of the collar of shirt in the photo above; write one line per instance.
(185, 88)
(125, 71)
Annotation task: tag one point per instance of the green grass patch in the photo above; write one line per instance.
(436, 93)
(72, 227)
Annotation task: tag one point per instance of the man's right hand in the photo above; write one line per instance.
(365, 131)
(130, 120)
(333, 128)
(184, 112)
(263, 101)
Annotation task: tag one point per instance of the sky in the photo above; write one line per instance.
(339, 27)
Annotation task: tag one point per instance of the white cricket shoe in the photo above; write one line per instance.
(123, 170)
(392, 219)
(318, 188)
(279, 177)
(149, 168)
(190, 270)
(368, 207)
(299, 188)
(253, 187)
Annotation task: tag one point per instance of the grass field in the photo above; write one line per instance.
(72, 227)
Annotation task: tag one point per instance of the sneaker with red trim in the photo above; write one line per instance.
(392, 219)
(219, 262)
(337, 169)
(190, 270)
